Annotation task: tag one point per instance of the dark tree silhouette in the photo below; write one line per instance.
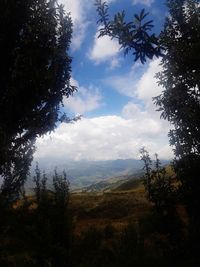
(148, 169)
(180, 76)
(34, 76)
(180, 100)
(157, 182)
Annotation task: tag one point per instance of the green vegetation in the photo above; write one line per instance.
(122, 228)
(36, 230)
(35, 76)
(118, 228)
(157, 182)
(125, 226)
(134, 36)
(179, 101)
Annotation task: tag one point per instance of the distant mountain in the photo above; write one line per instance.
(83, 174)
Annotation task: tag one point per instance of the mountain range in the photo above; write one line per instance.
(85, 174)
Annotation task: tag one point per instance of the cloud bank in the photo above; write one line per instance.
(84, 100)
(112, 137)
(103, 138)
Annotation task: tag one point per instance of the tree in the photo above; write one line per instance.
(180, 78)
(34, 76)
(52, 221)
(180, 99)
(147, 167)
(38, 231)
(133, 36)
(40, 189)
(157, 182)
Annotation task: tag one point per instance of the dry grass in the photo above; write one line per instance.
(115, 207)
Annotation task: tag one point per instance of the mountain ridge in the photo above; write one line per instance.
(84, 173)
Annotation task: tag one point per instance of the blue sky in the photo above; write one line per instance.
(114, 93)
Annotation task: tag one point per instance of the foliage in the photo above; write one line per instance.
(61, 189)
(40, 184)
(38, 231)
(35, 76)
(180, 76)
(157, 183)
(147, 167)
(179, 102)
(187, 169)
(35, 233)
(133, 36)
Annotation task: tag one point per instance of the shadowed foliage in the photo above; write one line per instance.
(34, 77)
(134, 36)
(180, 100)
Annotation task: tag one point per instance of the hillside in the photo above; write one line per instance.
(118, 207)
(93, 175)
(114, 183)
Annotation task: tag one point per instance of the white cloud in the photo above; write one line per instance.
(143, 2)
(79, 10)
(147, 86)
(140, 87)
(111, 137)
(125, 84)
(110, 1)
(132, 110)
(104, 138)
(84, 100)
(114, 63)
(104, 49)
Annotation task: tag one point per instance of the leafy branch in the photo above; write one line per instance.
(133, 36)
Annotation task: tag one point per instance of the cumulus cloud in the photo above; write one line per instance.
(143, 2)
(79, 10)
(103, 138)
(84, 100)
(141, 89)
(111, 137)
(147, 86)
(126, 84)
(104, 49)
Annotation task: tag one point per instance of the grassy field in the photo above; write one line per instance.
(117, 207)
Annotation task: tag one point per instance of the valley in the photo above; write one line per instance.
(117, 207)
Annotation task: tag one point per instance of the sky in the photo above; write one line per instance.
(114, 93)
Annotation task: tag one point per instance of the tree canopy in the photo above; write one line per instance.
(178, 46)
(180, 100)
(180, 75)
(34, 77)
